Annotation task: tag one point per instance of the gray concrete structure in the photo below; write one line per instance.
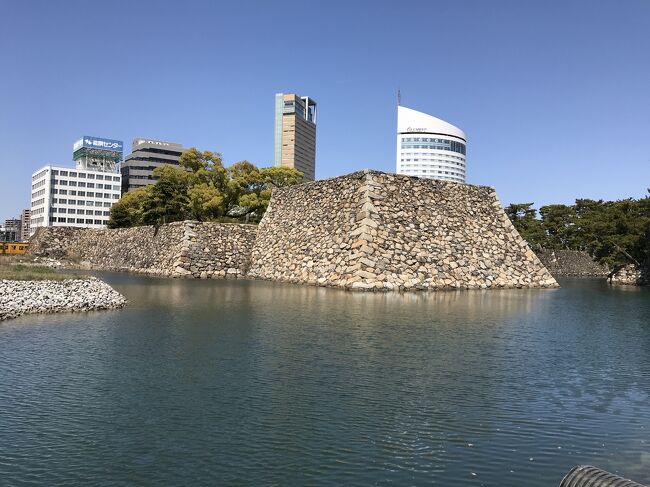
(146, 155)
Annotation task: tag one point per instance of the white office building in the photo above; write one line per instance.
(81, 196)
(66, 197)
(428, 147)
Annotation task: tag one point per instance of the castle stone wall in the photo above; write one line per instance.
(180, 249)
(575, 263)
(364, 231)
(631, 275)
(373, 230)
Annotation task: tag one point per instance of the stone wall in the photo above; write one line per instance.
(212, 250)
(373, 230)
(574, 263)
(631, 275)
(191, 249)
(367, 230)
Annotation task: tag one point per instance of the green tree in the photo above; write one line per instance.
(169, 200)
(202, 189)
(558, 223)
(128, 210)
(195, 160)
(280, 176)
(524, 218)
(205, 202)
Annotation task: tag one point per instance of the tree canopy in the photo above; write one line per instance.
(613, 232)
(201, 188)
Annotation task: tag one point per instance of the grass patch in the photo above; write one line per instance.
(31, 272)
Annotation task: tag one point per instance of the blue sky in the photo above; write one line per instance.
(554, 96)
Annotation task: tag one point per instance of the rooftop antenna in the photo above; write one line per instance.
(399, 97)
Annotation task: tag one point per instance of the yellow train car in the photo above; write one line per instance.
(12, 248)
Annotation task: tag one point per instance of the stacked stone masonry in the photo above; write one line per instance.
(364, 231)
(576, 263)
(181, 249)
(631, 275)
(376, 231)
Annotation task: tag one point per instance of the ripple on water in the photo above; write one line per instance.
(227, 382)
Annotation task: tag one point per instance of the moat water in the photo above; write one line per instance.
(256, 383)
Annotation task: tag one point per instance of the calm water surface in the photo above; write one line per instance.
(238, 382)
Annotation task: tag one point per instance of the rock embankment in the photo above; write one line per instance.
(630, 275)
(364, 231)
(377, 231)
(571, 263)
(24, 297)
(179, 249)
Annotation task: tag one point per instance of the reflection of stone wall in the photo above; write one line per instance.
(187, 248)
(372, 230)
(571, 263)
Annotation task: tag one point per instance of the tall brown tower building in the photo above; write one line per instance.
(295, 133)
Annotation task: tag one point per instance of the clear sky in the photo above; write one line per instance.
(553, 95)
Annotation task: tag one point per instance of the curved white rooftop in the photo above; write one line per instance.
(412, 121)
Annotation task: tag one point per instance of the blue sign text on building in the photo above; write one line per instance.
(98, 143)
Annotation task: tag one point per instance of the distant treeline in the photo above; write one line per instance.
(201, 188)
(613, 232)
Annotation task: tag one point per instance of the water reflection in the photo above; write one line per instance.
(257, 383)
(495, 304)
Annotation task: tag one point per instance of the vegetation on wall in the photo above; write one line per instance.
(613, 232)
(202, 189)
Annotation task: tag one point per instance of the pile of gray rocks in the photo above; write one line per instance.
(23, 297)
(629, 275)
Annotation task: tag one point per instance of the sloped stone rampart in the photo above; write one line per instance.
(181, 249)
(571, 263)
(372, 230)
(364, 231)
